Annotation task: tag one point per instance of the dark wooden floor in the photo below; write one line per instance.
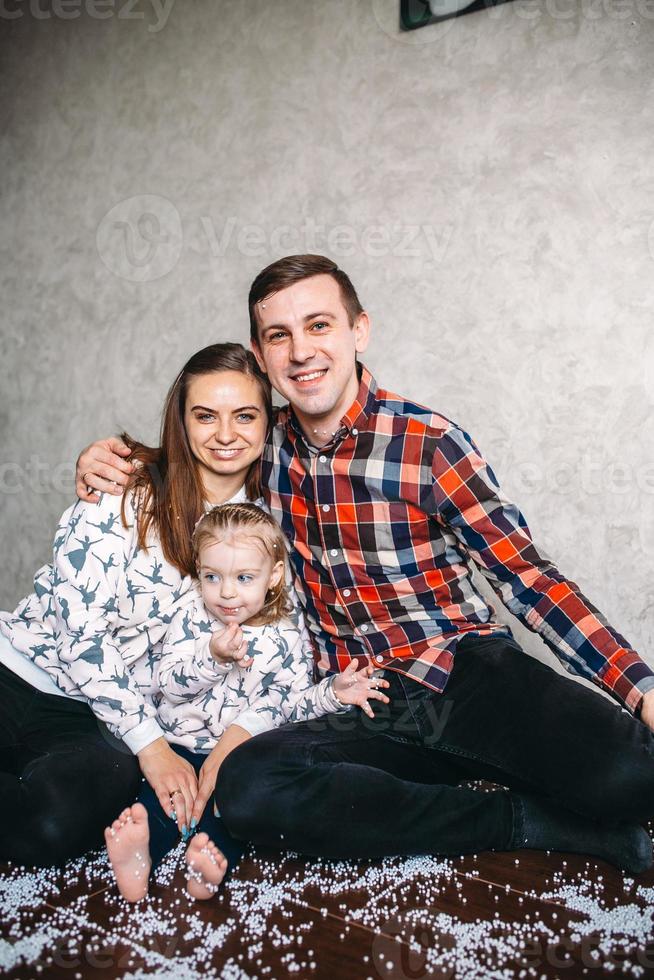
(526, 914)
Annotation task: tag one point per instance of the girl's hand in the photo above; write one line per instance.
(230, 646)
(172, 778)
(354, 686)
(233, 737)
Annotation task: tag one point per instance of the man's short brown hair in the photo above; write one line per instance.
(294, 268)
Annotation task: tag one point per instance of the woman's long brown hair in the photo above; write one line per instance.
(169, 494)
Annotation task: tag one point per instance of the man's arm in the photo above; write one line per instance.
(494, 532)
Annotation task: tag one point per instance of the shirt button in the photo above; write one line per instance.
(355, 432)
(326, 508)
(333, 552)
(347, 592)
(323, 459)
(364, 627)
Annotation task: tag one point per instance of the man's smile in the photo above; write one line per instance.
(309, 376)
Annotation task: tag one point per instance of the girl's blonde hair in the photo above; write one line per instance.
(247, 520)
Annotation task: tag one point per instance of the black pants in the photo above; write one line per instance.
(164, 834)
(347, 786)
(63, 776)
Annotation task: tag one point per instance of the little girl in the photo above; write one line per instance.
(234, 664)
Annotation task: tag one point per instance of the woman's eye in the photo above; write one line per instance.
(205, 417)
(245, 417)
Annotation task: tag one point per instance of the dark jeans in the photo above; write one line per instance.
(164, 834)
(347, 786)
(63, 776)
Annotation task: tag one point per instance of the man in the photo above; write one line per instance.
(386, 505)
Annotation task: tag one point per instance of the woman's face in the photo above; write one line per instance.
(226, 422)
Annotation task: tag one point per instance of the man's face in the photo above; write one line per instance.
(308, 349)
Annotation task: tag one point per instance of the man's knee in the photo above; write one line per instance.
(620, 794)
(240, 792)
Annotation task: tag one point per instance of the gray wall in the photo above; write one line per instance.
(487, 182)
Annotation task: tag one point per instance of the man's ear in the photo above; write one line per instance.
(256, 350)
(361, 332)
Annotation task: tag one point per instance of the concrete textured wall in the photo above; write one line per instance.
(487, 182)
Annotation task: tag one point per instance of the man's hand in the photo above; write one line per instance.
(101, 468)
(172, 778)
(354, 686)
(647, 710)
(209, 772)
(230, 646)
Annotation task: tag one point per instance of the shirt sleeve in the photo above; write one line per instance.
(186, 667)
(84, 591)
(494, 532)
(289, 693)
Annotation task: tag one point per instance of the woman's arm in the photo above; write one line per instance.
(90, 553)
(85, 588)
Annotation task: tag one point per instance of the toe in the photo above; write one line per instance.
(139, 812)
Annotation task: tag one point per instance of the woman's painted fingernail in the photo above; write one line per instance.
(194, 823)
(173, 816)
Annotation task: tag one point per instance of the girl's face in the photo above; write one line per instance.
(235, 576)
(226, 422)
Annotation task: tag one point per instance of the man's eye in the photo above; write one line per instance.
(278, 335)
(319, 325)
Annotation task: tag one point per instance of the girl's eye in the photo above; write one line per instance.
(244, 579)
(210, 577)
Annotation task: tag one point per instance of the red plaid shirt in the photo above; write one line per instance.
(385, 523)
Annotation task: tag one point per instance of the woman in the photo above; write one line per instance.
(73, 748)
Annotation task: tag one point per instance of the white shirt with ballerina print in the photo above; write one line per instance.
(201, 698)
(97, 617)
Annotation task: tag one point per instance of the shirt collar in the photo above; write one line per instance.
(356, 416)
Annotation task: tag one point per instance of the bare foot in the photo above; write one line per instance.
(206, 867)
(127, 844)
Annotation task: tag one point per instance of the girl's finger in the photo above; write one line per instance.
(368, 710)
(378, 696)
(200, 801)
